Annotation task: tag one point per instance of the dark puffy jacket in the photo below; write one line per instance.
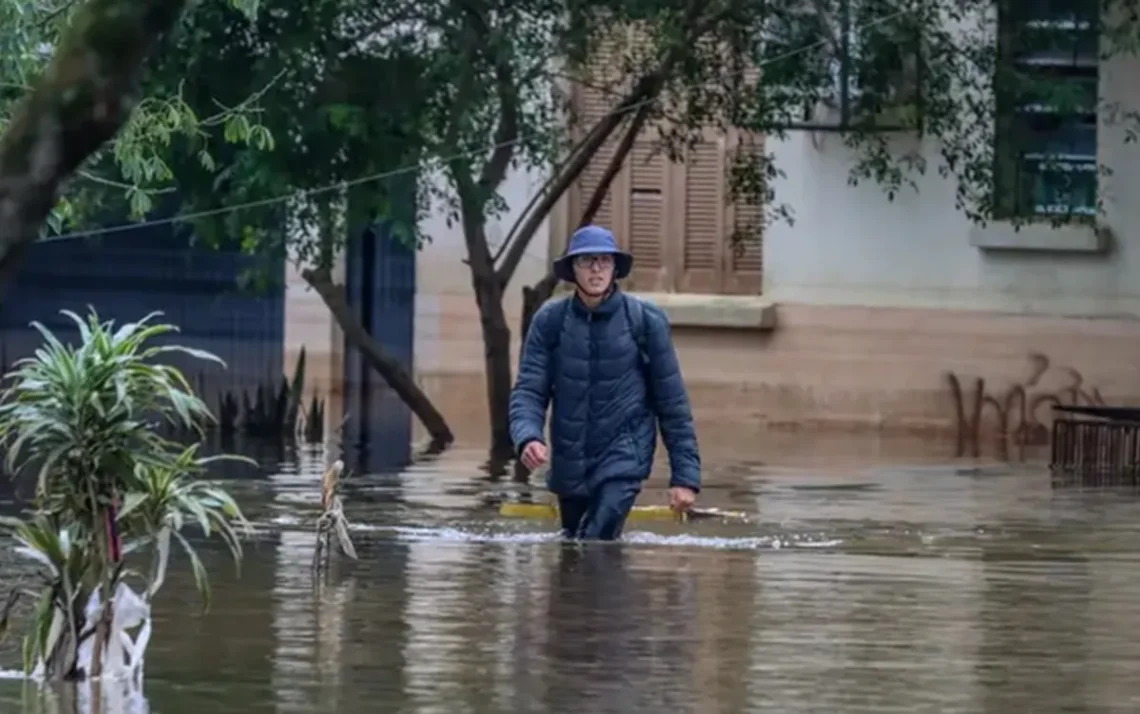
(604, 422)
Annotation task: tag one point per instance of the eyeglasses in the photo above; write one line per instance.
(604, 260)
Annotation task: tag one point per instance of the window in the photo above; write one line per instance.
(675, 218)
(843, 64)
(1046, 85)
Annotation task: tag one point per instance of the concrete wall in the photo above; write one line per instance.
(888, 369)
(449, 342)
(876, 303)
(852, 246)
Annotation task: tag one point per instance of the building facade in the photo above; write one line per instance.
(896, 316)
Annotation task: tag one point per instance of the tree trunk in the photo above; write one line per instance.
(385, 364)
(474, 197)
(497, 363)
(81, 101)
(534, 297)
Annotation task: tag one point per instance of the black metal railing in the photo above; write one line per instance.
(1096, 444)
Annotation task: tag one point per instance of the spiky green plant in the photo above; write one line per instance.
(109, 489)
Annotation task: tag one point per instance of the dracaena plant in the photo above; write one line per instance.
(111, 493)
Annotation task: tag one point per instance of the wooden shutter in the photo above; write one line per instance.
(643, 233)
(710, 261)
(675, 218)
(593, 100)
(701, 255)
(743, 258)
(634, 205)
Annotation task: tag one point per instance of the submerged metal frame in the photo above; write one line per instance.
(1098, 442)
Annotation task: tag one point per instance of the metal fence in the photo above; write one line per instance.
(129, 274)
(381, 286)
(1096, 445)
(126, 275)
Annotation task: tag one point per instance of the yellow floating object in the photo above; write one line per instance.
(549, 511)
(528, 510)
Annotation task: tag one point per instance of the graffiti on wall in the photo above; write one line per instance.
(1021, 412)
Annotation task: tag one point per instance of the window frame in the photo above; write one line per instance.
(1019, 192)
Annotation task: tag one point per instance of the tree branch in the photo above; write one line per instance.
(645, 91)
(616, 161)
(534, 297)
(826, 21)
(243, 104)
(464, 95)
(495, 170)
(554, 177)
(474, 194)
(81, 101)
(390, 368)
(111, 183)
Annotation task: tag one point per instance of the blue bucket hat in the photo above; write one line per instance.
(592, 240)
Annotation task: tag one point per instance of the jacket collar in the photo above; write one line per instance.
(606, 308)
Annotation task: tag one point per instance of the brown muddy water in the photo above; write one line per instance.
(924, 586)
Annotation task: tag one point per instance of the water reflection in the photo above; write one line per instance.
(868, 589)
(610, 626)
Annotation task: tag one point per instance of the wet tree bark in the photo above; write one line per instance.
(378, 358)
(496, 361)
(81, 102)
(475, 193)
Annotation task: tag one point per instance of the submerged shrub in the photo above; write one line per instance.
(111, 494)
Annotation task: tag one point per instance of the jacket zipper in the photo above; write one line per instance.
(590, 386)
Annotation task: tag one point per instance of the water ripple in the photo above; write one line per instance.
(861, 590)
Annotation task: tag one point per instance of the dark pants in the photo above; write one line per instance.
(601, 515)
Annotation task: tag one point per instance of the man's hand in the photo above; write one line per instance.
(681, 498)
(534, 455)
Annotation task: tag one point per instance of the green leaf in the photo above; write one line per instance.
(237, 129)
(261, 138)
(130, 502)
(201, 579)
(162, 558)
(140, 202)
(71, 411)
(195, 353)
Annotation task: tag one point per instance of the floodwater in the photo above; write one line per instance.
(927, 586)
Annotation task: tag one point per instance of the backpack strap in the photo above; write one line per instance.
(635, 314)
(553, 342)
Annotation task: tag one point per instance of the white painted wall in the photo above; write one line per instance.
(851, 246)
(447, 328)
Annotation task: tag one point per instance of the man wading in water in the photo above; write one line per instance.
(606, 359)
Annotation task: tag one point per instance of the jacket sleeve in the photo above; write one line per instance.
(672, 402)
(531, 393)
